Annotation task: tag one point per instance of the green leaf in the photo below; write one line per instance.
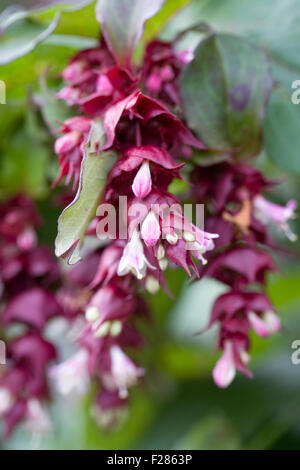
(20, 33)
(74, 42)
(224, 92)
(22, 37)
(54, 111)
(282, 130)
(273, 25)
(75, 218)
(122, 23)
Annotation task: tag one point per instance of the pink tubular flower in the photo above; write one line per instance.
(67, 142)
(162, 66)
(72, 375)
(74, 70)
(123, 372)
(6, 400)
(82, 73)
(234, 357)
(27, 239)
(142, 183)
(151, 231)
(108, 263)
(109, 408)
(37, 419)
(133, 258)
(69, 94)
(70, 148)
(224, 370)
(108, 310)
(266, 211)
(18, 223)
(265, 324)
(236, 312)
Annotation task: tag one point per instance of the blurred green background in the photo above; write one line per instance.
(178, 406)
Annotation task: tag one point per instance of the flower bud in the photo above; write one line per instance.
(150, 229)
(142, 182)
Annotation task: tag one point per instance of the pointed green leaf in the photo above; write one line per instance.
(75, 218)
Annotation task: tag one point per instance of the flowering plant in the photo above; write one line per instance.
(157, 164)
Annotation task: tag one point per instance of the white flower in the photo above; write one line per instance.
(133, 258)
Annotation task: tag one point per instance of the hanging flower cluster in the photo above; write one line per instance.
(28, 274)
(111, 315)
(236, 208)
(153, 230)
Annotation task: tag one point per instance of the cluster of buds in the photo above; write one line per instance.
(28, 273)
(162, 66)
(236, 208)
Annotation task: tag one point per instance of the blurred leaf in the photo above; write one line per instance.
(10, 117)
(75, 218)
(282, 131)
(212, 432)
(272, 24)
(21, 34)
(29, 6)
(22, 37)
(54, 111)
(178, 186)
(75, 42)
(43, 59)
(224, 92)
(24, 148)
(23, 165)
(191, 312)
(123, 23)
(265, 405)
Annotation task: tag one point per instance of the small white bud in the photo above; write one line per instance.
(116, 328)
(189, 236)
(92, 313)
(163, 264)
(172, 238)
(160, 252)
(103, 330)
(152, 285)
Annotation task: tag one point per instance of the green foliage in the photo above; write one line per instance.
(75, 218)
(273, 26)
(224, 92)
(282, 130)
(25, 152)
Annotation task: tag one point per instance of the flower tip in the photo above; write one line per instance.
(258, 325)
(224, 370)
(223, 377)
(142, 182)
